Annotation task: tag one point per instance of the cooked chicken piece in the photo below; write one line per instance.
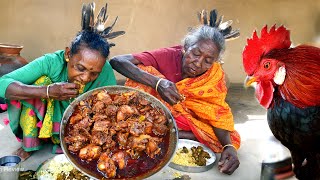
(72, 139)
(148, 116)
(120, 126)
(148, 127)
(75, 118)
(100, 132)
(145, 109)
(84, 108)
(75, 147)
(119, 158)
(111, 110)
(110, 144)
(82, 103)
(119, 100)
(160, 119)
(124, 112)
(133, 154)
(136, 128)
(129, 94)
(104, 97)
(107, 165)
(90, 152)
(122, 140)
(77, 141)
(131, 97)
(99, 137)
(82, 85)
(84, 123)
(101, 126)
(139, 101)
(112, 131)
(152, 147)
(159, 129)
(138, 143)
(125, 98)
(98, 107)
(100, 117)
(80, 131)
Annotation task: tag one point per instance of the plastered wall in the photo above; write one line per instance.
(43, 26)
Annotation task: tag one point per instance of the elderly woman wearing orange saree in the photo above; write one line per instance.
(189, 79)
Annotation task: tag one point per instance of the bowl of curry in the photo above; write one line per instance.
(117, 132)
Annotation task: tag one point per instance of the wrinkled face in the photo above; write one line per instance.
(85, 66)
(199, 58)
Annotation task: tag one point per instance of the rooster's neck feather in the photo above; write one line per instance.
(301, 86)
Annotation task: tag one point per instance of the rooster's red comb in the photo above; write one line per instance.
(257, 47)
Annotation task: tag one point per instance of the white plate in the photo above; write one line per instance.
(60, 161)
(188, 144)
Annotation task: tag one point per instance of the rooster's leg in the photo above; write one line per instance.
(311, 168)
(297, 160)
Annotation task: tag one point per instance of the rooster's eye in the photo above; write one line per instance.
(267, 65)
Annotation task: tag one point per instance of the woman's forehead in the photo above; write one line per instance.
(87, 53)
(91, 59)
(206, 46)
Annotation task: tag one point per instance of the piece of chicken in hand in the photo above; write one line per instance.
(287, 84)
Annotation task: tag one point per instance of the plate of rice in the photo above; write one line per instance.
(59, 168)
(192, 156)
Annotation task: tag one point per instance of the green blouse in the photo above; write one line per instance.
(54, 66)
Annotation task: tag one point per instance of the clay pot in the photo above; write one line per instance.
(10, 58)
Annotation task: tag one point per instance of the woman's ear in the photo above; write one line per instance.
(67, 51)
(67, 54)
(185, 48)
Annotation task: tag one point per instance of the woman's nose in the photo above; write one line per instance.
(85, 77)
(198, 61)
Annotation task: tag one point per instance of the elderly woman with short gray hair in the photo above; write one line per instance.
(189, 79)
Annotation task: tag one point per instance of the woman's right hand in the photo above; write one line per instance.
(169, 92)
(63, 91)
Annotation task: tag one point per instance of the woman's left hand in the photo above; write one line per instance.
(229, 161)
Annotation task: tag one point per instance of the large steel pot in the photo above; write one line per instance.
(173, 136)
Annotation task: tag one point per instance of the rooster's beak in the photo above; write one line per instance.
(249, 81)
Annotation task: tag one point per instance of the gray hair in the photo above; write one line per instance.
(205, 32)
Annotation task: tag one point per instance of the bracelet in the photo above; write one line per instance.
(227, 145)
(48, 91)
(158, 84)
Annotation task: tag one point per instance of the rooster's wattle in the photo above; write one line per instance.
(288, 85)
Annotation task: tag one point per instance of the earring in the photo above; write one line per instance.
(67, 59)
(183, 52)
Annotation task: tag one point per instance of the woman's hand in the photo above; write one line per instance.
(169, 92)
(229, 161)
(63, 91)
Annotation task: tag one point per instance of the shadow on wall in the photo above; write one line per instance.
(317, 31)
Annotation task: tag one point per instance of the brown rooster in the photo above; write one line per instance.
(288, 85)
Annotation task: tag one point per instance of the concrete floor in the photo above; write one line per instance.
(250, 122)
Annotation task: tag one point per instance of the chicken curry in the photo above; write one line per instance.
(117, 135)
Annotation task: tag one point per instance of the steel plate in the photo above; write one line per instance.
(173, 136)
(194, 169)
(45, 166)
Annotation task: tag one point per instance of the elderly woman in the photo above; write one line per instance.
(38, 93)
(191, 80)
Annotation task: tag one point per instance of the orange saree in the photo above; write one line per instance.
(204, 105)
